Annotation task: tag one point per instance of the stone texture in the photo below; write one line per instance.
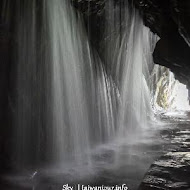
(90, 7)
(170, 20)
(172, 170)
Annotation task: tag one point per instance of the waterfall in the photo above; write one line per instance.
(135, 99)
(53, 81)
(67, 99)
(70, 65)
(129, 53)
(82, 93)
(63, 103)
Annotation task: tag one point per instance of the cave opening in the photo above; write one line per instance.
(169, 94)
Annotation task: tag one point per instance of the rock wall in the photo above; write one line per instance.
(170, 20)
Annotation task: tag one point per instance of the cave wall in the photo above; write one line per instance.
(169, 19)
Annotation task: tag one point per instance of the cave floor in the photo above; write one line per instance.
(166, 146)
(172, 170)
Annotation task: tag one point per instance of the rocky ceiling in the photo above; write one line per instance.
(169, 19)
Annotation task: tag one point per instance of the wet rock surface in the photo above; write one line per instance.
(172, 170)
